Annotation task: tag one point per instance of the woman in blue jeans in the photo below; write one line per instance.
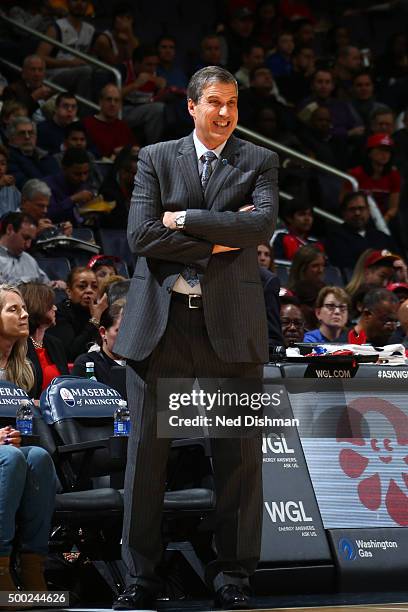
(27, 475)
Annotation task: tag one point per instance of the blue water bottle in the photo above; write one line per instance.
(24, 418)
(121, 419)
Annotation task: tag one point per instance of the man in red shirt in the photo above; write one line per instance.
(106, 131)
(298, 217)
(378, 319)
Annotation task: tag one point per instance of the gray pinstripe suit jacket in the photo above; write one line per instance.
(234, 309)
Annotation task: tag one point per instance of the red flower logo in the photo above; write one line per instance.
(379, 463)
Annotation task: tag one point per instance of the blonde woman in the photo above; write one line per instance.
(27, 474)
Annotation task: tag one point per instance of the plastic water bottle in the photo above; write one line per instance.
(24, 418)
(121, 419)
(90, 370)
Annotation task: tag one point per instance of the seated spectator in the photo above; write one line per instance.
(373, 268)
(118, 187)
(140, 110)
(105, 358)
(35, 199)
(78, 318)
(75, 138)
(332, 306)
(103, 266)
(378, 319)
(279, 62)
(210, 52)
(267, 24)
(64, 68)
(362, 100)
(348, 63)
(30, 89)
(265, 256)
(116, 46)
(400, 290)
(262, 93)
(298, 217)
(346, 242)
(306, 279)
(26, 160)
(51, 133)
(105, 130)
(295, 86)
(378, 177)
(70, 187)
(238, 32)
(343, 120)
(292, 322)
(28, 480)
(10, 110)
(169, 69)
(381, 121)
(400, 336)
(252, 57)
(17, 231)
(46, 353)
(269, 123)
(9, 194)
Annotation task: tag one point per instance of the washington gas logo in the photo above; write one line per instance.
(377, 462)
(67, 397)
(347, 549)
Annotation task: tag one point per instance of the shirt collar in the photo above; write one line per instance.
(201, 149)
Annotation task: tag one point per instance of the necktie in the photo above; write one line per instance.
(190, 273)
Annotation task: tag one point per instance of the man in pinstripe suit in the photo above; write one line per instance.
(196, 309)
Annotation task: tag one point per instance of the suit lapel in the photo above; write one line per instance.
(222, 170)
(187, 162)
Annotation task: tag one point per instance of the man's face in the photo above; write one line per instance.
(363, 87)
(293, 325)
(215, 114)
(321, 120)
(66, 111)
(286, 44)
(383, 124)
(357, 214)
(33, 73)
(17, 242)
(380, 322)
(25, 138)
(149, 64)
(352, 61)
(111, 103)
(243, 26)
(255, 57)
(267, 123)
(37, 207)
(301, 221)
(379, 276)
(305, 60)
(167, 50)
(211, 51)
(262, 80)
(77, 174)
(76, 140)
(77, 8)
(323, 84)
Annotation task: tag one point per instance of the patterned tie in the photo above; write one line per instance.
(190, 273)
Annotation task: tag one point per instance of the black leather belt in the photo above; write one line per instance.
(191, 300)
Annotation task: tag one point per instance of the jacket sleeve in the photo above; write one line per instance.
(147, 235)
(241, 229)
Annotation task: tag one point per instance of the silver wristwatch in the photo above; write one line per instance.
(180, 220)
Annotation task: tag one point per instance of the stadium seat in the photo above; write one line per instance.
(57, 268)
(114, 242)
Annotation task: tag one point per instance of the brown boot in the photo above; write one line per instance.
(6, 581)
(32, 572)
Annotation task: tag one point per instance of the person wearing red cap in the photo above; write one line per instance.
(103, 266)
(373, 269)
(400, 290)
(377, 176)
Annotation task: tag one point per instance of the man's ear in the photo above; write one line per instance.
(10, 229)
(191, 107)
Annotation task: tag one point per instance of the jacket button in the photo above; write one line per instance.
(168, 289)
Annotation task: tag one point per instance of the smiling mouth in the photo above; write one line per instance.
(222, 124)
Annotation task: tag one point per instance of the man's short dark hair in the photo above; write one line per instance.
(364, 72)
(376, 296)
(74, 156)
(381, 109)
(350, 197)
(16, 219)
(290, 207)
(64, 95)
(253, 71)
(206, 76)
(143, 51)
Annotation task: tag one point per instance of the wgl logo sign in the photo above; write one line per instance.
(347, 549)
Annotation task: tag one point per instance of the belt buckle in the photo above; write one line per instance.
(190, 296)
